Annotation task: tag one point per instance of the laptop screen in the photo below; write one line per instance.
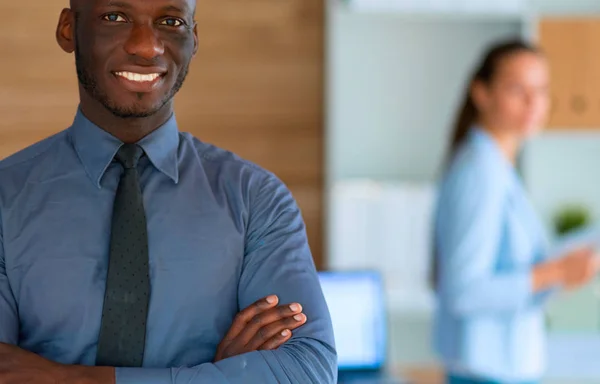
(357, 305)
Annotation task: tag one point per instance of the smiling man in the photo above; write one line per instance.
(133, 253)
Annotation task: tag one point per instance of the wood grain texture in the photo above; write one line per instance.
(571, 45)
(255, 87)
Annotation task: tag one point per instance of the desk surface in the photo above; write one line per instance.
(421, 375)
(435, 375)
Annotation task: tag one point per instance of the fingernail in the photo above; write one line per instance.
(295, 307)
(298, 317)
(271, 299)
(285, 332)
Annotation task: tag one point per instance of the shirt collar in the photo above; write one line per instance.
(96, 148)
(482, 139)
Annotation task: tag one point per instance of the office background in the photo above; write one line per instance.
(397, 72)
(350, 103)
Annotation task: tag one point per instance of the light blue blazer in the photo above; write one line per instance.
(489, 323)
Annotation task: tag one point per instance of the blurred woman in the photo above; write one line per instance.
(492, 270)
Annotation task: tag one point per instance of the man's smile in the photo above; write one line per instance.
(141, 79)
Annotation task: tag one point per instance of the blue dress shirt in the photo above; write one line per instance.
(489, 322)
(223, 233)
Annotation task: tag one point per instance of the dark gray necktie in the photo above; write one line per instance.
(123, 329)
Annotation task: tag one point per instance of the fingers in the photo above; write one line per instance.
(243, 317)
(586, 249)
(583, 268)
(585, 255)
(593, 266)
(261, 325)
(271, 337)
(596, 261)
(588, 252)
(580, 253)
(276, 341)
(591, 262)
(264, 319)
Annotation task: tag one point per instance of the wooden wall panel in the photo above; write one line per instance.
(571, 45)
(256, 87)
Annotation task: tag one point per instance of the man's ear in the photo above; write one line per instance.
(65, 30)
(196, 43)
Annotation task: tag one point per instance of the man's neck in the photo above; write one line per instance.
(128, 130)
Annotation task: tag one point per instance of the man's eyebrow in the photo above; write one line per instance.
(174, 8)
(167, 8)
(119, 4)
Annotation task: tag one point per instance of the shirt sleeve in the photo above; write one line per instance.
(468, 233)
(541, 298)
(277, 261)
(9, 320)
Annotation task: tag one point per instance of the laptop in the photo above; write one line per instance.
(357, 304)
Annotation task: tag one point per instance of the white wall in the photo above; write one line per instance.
(562, 168)
(394, 86)
(561, 7)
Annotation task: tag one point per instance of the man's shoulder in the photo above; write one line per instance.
(32, 154)
(217, 158)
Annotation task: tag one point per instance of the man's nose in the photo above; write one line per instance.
(144, 43)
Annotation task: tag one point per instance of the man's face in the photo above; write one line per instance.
(132, 56)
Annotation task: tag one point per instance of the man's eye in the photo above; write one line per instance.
(114, 18)
(172, 22)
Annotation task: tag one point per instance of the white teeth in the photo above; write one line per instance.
(138, 77)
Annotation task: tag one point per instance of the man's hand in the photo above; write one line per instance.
(261, 326)
(18, 366)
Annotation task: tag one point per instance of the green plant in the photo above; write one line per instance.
(570, 218)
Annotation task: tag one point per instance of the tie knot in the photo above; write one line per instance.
(129, 155)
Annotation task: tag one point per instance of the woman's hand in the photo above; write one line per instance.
(571, 271)
(579, 267)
